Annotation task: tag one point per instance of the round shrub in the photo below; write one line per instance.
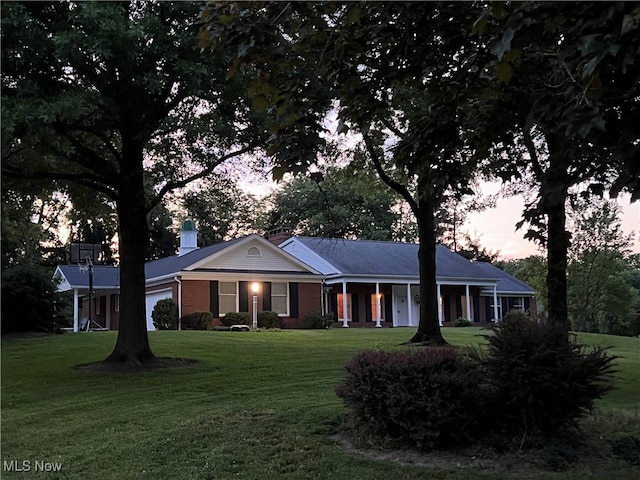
(236, 318)
(316, 320)
(268, 319)
(462, 322)
(201, 320)
(425, 398)
(538, 379)
(165, 315)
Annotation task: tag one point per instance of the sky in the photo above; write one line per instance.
(495, 228)
(496, 231)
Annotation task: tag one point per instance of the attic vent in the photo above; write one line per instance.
(254, 252)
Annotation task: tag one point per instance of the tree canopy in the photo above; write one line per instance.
(115, 96)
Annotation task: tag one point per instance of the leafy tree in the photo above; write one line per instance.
(163, 239)
(532, 270)
(222, 211)
(600, 299)
(336, 203)
(568, 78)
(113, 96)
(397, 83)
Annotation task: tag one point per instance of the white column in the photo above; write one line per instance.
(468, 302)
(108, 312)
(378, 312)
(345, 306)
(495, 303)
(409, 305)
(75, 309)
(439, 305)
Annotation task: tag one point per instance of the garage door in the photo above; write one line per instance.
(152, 299)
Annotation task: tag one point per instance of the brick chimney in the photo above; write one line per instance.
(279, 235)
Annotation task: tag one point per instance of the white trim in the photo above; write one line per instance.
(75, 309)
(468, 302)
(318, 263)
(267, 245)
(440, 312)
(345, 306)
(253, 247)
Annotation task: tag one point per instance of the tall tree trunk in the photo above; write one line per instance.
(132, 345)
(555, 185)
(429, 326)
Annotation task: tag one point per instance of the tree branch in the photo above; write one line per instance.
(390, 182)
(185, 181)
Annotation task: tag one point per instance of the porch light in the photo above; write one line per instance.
(255, 287)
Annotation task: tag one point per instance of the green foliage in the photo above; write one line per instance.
(315, 320)
(627, 447)
(537, 379)
(268, 319)
(531, 270)
(462, 322)
(200, 320)
(222, 211)
(163, 239)
(29, 300)
(236, 318)
(424, 397)
(338, 203)
(165, 315)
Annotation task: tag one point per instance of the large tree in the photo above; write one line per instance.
(401, 75)
(336, 203)
(568, 76)
(113, 96)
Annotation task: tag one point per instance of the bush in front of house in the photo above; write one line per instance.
(165, 315)
(462, 322)
(423, 397)
(315, 320)
(236, 318)
(268, 319)
(538, 379)
(201, 320)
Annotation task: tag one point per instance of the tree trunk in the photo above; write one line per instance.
(132, 345)
(429, 326)
(555, 187)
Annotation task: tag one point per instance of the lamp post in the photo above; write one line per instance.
(254, 288)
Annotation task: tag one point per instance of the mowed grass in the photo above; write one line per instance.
(257, 405)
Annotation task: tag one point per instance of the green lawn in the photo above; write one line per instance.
(256, 406)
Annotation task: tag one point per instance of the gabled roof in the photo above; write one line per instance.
(507, 284)
(71, 277)
(177, 263)
(368, 257)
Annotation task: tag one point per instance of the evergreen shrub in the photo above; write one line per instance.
(315, 320)
(538, 379)
(424, 397)
(165, 315)
(236, 318)
(268, 319)
(201, 320)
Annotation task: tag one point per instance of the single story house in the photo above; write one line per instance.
(362, 283)
(381, 283)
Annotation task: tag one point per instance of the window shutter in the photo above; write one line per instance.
(368, 311)
(527, 303)
(488, 311)
(476, 309)
(355, 308)
(243, 296)
(334, 306)
(458, 307)
(388, 308)
(293, 300)
(213, 298)
(447, 308)
(266, 296)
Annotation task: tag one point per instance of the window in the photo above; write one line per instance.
(341, 306)
(254, 252)
(117, 303)
(374, 306)
(279, 298)
(227, 294)
(518, 304)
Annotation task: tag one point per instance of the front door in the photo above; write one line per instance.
(401, 310)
